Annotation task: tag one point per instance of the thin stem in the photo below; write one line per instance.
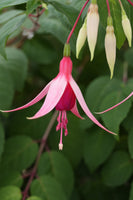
(70, 34)
(120, 3)
(108, 7)
(42, 145)
(130, 2)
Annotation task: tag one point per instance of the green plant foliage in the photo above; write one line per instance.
(47, 187)
(8, 177)
(73, 143)
(10, 193)
(2, 139)
(6, 3)
(8, 28)
(93, 165)
(20, 152)
(118, 169)
(59, 167)
(34, 198)
(113, 118)
(20, 125)
(94, 141)
(17, 65)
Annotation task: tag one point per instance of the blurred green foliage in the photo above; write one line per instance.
(93, 165)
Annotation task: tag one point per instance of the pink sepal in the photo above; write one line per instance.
(75, 111)
(116, 104)
(55, 92)
(33, 101)
(82, 103)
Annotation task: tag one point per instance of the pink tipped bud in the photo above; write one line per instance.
(92, 27)
(81, 38)
(110, 48)
(127, 28)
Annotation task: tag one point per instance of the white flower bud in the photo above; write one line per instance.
(92, 27)
(81, 39)
(127, 28)
(110, 48)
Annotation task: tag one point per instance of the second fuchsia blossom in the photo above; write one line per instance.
(62, 94)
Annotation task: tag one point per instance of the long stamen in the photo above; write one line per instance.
(61, 144)
(59, 122)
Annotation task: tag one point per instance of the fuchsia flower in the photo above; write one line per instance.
(62, 93)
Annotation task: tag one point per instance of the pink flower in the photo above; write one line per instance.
(62, 93)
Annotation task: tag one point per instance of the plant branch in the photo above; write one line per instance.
(42, 145)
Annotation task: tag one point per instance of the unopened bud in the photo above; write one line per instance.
(81, 38)
(92, 27)
(44, 5)
(127, 28)
(60, 146)
(110, 48)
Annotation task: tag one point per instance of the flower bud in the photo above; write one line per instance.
(81, 38)
(110, 48)
(127, 28)
(92, 27)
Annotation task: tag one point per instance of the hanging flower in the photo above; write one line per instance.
(92, 27)
(62, 93)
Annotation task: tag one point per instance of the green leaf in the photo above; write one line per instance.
(8, 15)
(17, 65)
(113, 118)
(94, 90)
(6, 88)
(47, 187)
(8, 28)
(94, 141)
(10, 193)
(31, 5)
(131, 192)
(129, 56)
(72, 143)
(7, 3)
(130, 142)
(8, 177)
(55, 164)
(20, 152)
(34, 198)
(66, 9)
(2, 139)
(118, 169)
(40, 52)
(19, 125)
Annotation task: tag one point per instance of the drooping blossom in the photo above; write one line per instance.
(110, 46)
(62, 93)
(92, 27)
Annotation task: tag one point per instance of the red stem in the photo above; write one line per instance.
(130, 2)
(108, 7)
(70, 34)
